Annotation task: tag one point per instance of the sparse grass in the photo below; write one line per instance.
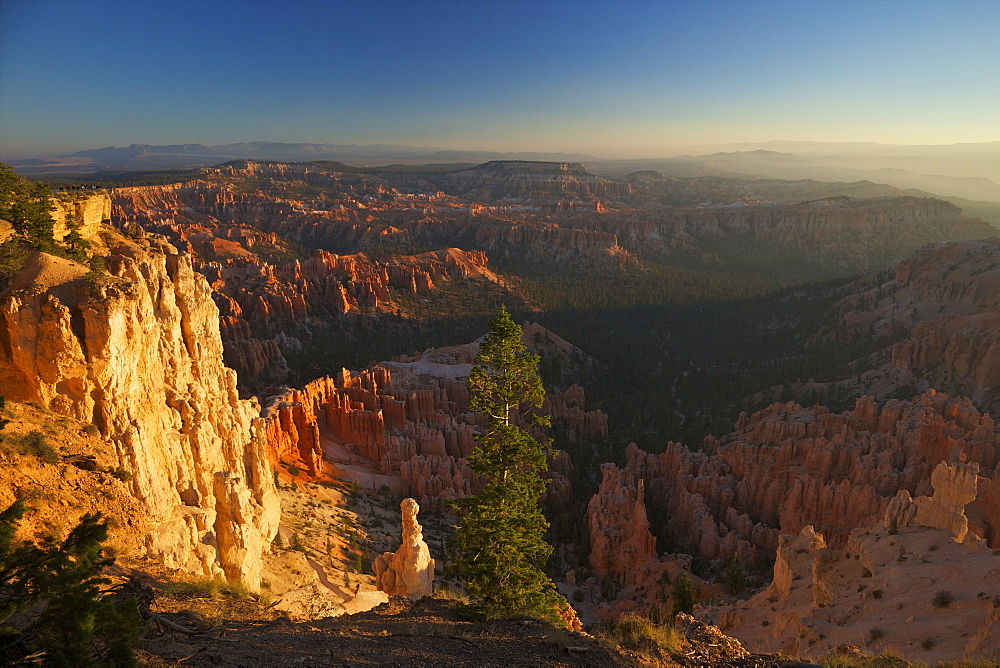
(204, 588)
(33, 444)
(640, 634)
(121, 474)
(884, 660)
(446, 593)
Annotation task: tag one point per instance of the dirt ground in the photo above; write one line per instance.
(404, 633)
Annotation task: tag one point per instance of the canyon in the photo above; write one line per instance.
(186, 343)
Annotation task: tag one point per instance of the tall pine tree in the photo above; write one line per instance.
(499, 550)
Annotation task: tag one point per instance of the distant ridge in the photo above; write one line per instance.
(139, 157)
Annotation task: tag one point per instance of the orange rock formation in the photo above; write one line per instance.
(140, 356)
(787, 467)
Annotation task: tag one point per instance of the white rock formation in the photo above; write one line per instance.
(410, 570)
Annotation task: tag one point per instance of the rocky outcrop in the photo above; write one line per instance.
(955, 486)
(620, 541)
(918, 583)
(787, 467)
(138, 353)
(409, 571)
(81, 212)
(409, 420)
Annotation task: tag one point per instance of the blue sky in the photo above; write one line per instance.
(613, 79)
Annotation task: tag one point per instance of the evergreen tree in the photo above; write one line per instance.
(498, 550)
(51, 602)
(683, 594)
(26, 205)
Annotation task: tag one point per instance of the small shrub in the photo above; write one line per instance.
(943, 599)
(121, 474)
(36, 445)
(578, 596)
(928, 643)
(875, 634)
(876, 594)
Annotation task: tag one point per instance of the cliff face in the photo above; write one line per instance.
(84, 212)
(787, 467)
(946, 299)
(848, 233)
(139, 355)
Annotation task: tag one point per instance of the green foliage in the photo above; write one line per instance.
(51, 599)
(26, 205)
(498, 551)
(683, 594)
(735, 577)
(13, 253)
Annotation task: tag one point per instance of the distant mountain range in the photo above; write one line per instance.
(968, 171)
(186, 156)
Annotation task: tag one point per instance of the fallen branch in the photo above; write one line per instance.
(163, 621)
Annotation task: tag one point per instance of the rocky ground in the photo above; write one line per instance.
(427, 632)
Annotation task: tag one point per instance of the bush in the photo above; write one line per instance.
(874, 634)
(943, 599)
(928, 643)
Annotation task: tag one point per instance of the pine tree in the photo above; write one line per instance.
(683, 594)
(499, 550)
(51, 602)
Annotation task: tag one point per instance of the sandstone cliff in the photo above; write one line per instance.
(840, 233)
(138, 353)
(83, 212)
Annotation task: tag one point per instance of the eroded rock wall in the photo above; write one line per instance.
(140, 356)
(787, 467)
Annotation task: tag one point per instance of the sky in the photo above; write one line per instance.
(611, 79)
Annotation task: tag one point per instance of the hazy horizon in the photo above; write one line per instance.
(612, 80)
